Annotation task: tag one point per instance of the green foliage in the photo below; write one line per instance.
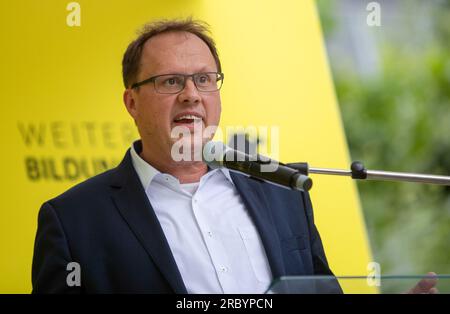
(399, 120)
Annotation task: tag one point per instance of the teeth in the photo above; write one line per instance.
(189, 116)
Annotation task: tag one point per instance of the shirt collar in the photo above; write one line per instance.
(147, 172)
(226, 173)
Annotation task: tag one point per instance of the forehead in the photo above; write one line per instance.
(176, 52)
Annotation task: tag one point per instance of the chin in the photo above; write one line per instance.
(189, 147)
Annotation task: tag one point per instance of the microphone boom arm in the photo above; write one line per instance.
(359, 172)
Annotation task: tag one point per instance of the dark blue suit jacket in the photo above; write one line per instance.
(108, 226)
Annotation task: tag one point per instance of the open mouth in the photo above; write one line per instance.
(188, 119)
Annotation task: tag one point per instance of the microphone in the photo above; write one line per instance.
(216, 154)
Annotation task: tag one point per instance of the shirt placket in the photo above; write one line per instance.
(214, 245)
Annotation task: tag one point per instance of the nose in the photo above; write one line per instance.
(190, 94)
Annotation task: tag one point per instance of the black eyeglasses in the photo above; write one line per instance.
(175, 83)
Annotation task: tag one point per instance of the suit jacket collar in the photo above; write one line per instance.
(135, 208)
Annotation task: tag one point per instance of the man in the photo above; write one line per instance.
(154, 225)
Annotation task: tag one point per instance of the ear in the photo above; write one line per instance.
(130, 103)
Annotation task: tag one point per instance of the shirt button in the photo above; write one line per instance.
(210, 234)
(223, 269)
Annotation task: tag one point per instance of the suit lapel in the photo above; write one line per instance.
(134, 206)
(254, 199)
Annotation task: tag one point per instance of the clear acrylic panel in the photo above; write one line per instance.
(359, 284)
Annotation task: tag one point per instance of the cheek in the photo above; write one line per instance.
(213, 110)
(155, 115)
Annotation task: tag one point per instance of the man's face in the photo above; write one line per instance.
(157, 114)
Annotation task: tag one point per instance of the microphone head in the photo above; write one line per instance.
(213, 154)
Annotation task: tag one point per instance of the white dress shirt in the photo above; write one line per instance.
(214, 242)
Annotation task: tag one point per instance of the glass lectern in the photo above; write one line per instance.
(357, 284)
